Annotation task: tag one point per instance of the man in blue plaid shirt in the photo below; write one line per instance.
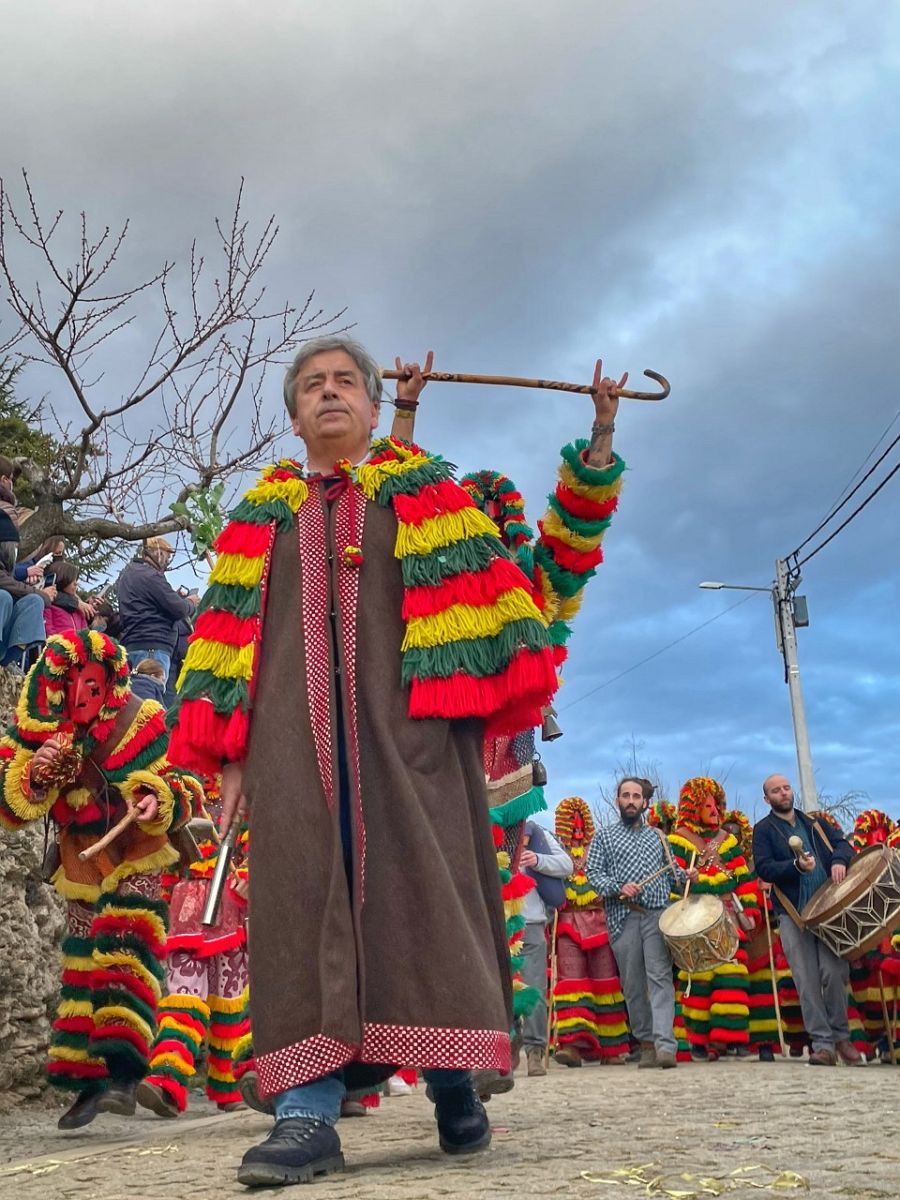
(621, 856)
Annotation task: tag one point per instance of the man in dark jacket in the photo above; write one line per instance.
(821, 977)
(150, 609)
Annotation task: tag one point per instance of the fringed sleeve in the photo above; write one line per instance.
(19, 802)
(568, 549)
(180, 797)
(210, 721)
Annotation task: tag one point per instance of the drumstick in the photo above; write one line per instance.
(687, 886)
(127, 820)
(553, 385)
(656, 874)
(765, 907)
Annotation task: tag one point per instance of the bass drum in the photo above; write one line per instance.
(851, 917)
(699, 933)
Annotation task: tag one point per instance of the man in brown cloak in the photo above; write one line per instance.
(377, 931)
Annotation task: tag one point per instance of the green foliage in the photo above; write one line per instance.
(19, 435)
(203, 509)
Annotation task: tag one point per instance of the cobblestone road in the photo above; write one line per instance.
(837, 1128)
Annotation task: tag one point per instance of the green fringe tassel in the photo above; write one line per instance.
(520, 808)
(479, 657)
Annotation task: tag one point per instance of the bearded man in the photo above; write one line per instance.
(363, 630)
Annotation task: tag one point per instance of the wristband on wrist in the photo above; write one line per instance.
(409, 406)
(599, 428)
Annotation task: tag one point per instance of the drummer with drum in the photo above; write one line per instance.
(793, 853)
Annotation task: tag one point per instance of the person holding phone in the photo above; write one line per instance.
(65, 612)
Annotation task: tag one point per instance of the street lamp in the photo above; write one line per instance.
(786, 622)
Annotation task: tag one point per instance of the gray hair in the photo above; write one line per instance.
(371, 372)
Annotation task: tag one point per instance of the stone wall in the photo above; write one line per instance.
(31, 929)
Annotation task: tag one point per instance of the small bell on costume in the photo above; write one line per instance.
(550, 729)
(538, 772)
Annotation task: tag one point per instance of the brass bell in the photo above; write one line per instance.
(538, 772)
(550, 729)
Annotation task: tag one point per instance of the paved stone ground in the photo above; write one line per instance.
(836, 1127)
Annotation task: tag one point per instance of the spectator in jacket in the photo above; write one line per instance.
(149, 607)
(542, 856)
(67, 610)
(821, 977)
(148, 680)
(21, 603)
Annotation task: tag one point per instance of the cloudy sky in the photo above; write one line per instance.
(707, 189)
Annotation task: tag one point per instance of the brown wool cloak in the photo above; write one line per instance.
(414, 970)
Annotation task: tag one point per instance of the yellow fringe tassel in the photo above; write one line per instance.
(463, 621)
(436, 532)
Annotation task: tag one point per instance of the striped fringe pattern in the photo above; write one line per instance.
(716, 1009)
(590, 1015)
(71, 1064)
(789, 999)
(761, 1001)
(229, 1022)
(568, 550)
(513, 890)
(475, 645)
(129, 936)
(183, 1026)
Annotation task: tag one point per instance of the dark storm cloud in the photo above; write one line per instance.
(700, 188)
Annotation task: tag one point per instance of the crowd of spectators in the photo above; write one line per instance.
(39, 596)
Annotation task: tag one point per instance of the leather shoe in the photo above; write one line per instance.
(823, 1058)
(766, 1054)
(83, 1111)
(248, 1086)
(119, 1098)
(463, 1126)
(849, 1053)
(157, 1099)
(567, 1056)
(535, 1058)
(296, 1151)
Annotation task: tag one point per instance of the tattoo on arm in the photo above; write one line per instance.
(600, 450)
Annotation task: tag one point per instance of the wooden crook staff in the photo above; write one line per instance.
(552, 385)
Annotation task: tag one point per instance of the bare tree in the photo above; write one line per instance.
(844, 808)
(175, 427)
(633, 763)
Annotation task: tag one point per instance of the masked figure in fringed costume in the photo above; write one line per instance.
(589, 1007)
(763, 1017)
(206, 982)
(662, 815)
(83, 752)
(716, 1012)
(559, 563)
(877, 971)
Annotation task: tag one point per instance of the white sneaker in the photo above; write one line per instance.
(398, 1087)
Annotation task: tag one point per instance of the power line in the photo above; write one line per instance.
(843, 525)
(887, 429)
(657, 653)
(875, 465)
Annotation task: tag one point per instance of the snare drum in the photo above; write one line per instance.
(699, 933)
(851, 917)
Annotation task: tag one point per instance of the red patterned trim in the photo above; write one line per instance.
(263, 596)
(426, 1046)
(415, 1045)
(349, 520)
(316, 647)
(301, 1063)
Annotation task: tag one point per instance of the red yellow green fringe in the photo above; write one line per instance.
(475, 645)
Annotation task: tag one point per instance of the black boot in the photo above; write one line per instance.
(297, 1149)
(766, 1054)
(463, 1126)
(83, 1111)
(119, 1098)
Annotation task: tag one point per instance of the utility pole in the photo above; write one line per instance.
(786, 637)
